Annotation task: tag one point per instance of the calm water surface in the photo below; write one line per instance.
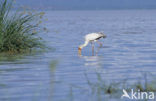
(128, 51)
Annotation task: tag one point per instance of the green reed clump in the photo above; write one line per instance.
(18, 30)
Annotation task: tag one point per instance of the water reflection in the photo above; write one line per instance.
(100, 89)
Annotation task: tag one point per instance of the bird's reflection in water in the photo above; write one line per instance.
(92, 63)
(91, 60)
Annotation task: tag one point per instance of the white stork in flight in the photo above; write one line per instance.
(92, 37)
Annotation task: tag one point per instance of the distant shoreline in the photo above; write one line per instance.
(42, 9)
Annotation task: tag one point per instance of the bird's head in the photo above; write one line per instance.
(103, 35)
(79, 50)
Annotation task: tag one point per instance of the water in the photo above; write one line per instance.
(61, 75)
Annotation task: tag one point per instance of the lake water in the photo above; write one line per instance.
(128, 52)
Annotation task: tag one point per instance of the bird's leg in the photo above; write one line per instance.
(92, 48)
(99, 43)
(97, 51)
(98, 47)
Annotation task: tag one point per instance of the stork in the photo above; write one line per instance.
(90, 38)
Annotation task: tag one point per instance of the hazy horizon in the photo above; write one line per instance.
(87, 4)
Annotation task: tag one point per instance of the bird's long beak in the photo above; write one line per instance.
(79, 51)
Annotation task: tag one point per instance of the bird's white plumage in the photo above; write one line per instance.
(92, 36)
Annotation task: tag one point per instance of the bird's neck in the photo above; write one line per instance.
(84, 45)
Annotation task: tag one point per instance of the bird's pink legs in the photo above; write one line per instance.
(93, 47)
(98, 47)
(99, 43)
(97, 51)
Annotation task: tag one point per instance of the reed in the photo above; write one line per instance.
(18, 30)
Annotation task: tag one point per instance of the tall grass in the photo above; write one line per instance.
(18, 31)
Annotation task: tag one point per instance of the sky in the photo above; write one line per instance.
(87, 4)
